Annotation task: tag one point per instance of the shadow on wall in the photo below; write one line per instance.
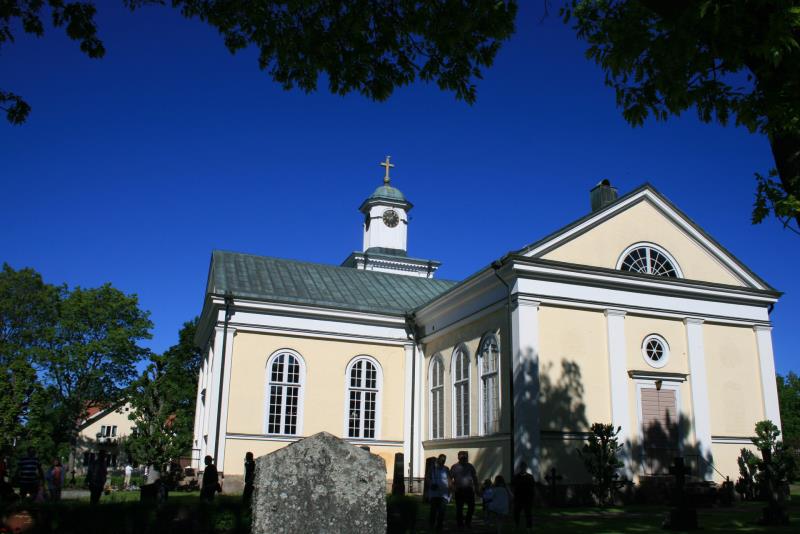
(563, 421)
(561, 412)
(653, 451)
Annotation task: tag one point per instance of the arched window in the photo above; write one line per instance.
(460, 373)
(488, 364)
(436, 382)
(285, 393)
(363, 395)
(648, 258)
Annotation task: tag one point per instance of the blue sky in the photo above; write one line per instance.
(132, 168)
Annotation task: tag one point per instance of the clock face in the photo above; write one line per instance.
(390, 218)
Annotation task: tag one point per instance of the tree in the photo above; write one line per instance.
(729, 59)
(91, 353)
(368, 46)
(163, 403)
(600, 458)
(27, 311)
(789, 401)
(783, 465)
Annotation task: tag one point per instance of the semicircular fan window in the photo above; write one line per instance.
(648, 260)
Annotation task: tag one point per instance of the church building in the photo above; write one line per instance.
(630, 315)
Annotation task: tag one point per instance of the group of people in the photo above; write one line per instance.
(34, 481)
(40, 485)
(460, 481)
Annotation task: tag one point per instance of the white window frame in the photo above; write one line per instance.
(662, 250)
(664, 359)
(461, 349)
(482, 376)
(441, 387)
(378, 399)
(300, 395)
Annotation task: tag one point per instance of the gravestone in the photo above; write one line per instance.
(398, 482)
(682, 515)
(320, 484)
(553, 478)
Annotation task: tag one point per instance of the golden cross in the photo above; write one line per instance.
(388, 166)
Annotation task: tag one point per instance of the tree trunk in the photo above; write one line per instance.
(786, 151)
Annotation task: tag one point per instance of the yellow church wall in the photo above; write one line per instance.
(603, 245)
(324, 390)
(563, 455)
(573, 369)
(490, 456)
(734, 384)
(469, 334)
(725, 457)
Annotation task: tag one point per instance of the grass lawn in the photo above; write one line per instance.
(121, 513)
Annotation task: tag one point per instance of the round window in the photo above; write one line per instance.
(655, 351)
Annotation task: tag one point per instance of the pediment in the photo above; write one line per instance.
(645, 217)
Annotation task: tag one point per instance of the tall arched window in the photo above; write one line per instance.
(460, 373)
(363, 395)
(488, 364)
(436, 382)
(285, 393)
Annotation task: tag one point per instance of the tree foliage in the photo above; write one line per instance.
(92, 352)
(600, 456)
(783, 466)
(61, 351)
(27, 311)
(163, 403)
(367, 46)
(789, 400)
(731, 60)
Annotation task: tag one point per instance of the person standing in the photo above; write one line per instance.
(524, 487)
(55, 480)
(439, 492)
(96, 477)
(210, 480)
(499, 505)
(128, 472)
(249, 477)
(465, 483)
(29, 472)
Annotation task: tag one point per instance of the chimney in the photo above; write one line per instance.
(602, 195)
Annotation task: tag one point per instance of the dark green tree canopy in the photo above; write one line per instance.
(732, 60)
(367, 46)
(789, 400)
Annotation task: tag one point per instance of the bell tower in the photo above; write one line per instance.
(386, 218)
(385, 243)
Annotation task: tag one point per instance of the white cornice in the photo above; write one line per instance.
(640, 284)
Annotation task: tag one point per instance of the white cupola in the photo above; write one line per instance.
(385, 227)
(386, 218)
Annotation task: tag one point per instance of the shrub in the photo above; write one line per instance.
(600, 458)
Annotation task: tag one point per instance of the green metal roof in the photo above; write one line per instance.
(387, 192)
(314, 284)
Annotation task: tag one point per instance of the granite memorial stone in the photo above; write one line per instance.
(320, 484)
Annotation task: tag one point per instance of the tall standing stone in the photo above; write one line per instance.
(320, 484)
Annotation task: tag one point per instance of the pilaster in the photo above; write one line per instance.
(618, 377)
(525, 365)
(769, 386)
(698, 380)
(226, 386)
